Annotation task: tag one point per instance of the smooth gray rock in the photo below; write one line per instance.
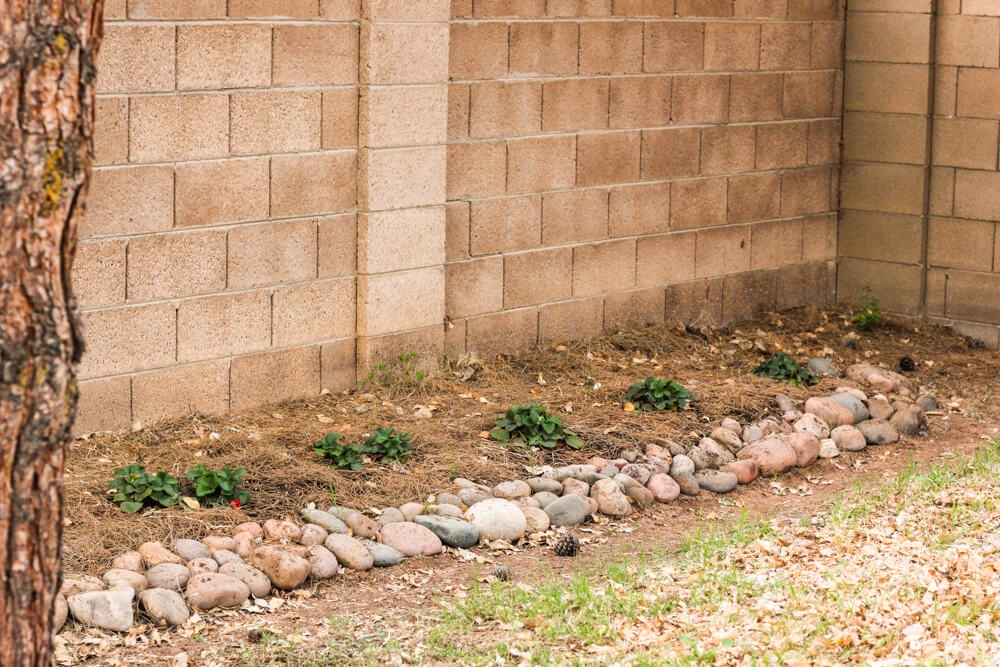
(852, 403)
(390, 515)
(472, 495)
(110, 610)
(447, 499)
(591, 477)
(383, 555)
(191, 549)
(823, 366)
(568, 510)
(497, 519)
(878, 432)
(682, 465)
(223, 556)
(543, 498)
(927, 403)
(170, 576)
(453, 532)
(716, 481)
(256, 581)
(164, 607)
(539, 484)
(325, 520)
(340, 512)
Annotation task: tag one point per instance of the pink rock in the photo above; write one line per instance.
(202, 566)
(579, 487)
(411, 539)
(653, 449)
(216, 542)
(598, 462)
(746, 470)
(250, 527)
(281, 530)
(637, 471)
(245, 544)
(361, 526)
(313, 534)
(848, 438)
(773, 455)
(834, 415)
(664, 487)
(806, 446)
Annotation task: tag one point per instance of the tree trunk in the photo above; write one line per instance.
(47, 57)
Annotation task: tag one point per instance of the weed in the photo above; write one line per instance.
(535, 427)
(782, 367)
(868, 316)
(655, 394)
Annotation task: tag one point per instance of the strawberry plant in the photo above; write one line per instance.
(782, 367)
(535, 427)
(135, 488)
(388, 444)
(341, 455)
(656, 394)
(218, 487)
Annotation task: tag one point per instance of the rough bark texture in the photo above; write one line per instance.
(47, 56)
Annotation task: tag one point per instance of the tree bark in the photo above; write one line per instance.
(47, 58)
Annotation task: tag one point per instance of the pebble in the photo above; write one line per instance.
(350, 551)
(832, 413)
(591, 477)
(857, 407)
(215, 542)
(746, 470)
(171, 576)
(784, 403)
(83, 583)
(129, 560)
(682, 465)
(191, 549)
(642, 496)
(382, 555)
(223, 556)
(286, 530)
(411, 510)
(411, 539)
(511, 490)
(164, 607)
(471, 496)
(856, 393)
(128, 579)
(709, 454)
(656, 451)
(526, 501)
(252, 528)
(716, 481)
(568, 510)
(731, 424)
(828, 449)
(322, 563)
(544, 498)
(256, 581)
(286, 570)
(447, 499)
(927, 403)
(631, 455)
(848, 438)
(752, 433)
(451, 531)
(878, 432)
(390, 515)
(109, 610)
(536, 520)
(154, 553)
(610, 499)
(610, 470)
(810, 423)
(823, 366)
(324, 520)
(663, 487)
(313, 534)
(658, 465)
(880, 409)
(806, 446)
(201, 566)
(207, 591)
(245, 544)
(362, 526)
(539, 484)
(450, 510)
(906, 421)
(497, 519)
(687, 484)
(575, 486)
(637, 471)
(728, 439)
(773, 455)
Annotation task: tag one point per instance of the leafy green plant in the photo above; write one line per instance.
(135, 488)
(388, 444)
(218, 487)
(782, 367)
(403, 371)
(656, 394)
(343, 455)
(869, 313)
(534, 426)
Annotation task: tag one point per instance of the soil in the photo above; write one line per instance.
(588, 378)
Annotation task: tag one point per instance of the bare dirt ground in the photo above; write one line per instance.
(582, 382)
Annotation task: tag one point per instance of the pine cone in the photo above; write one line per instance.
(501, 572)
(567, 545)
(907, 364)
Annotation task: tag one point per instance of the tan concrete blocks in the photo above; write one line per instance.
(610, 47)
(315, 55)
(314, 311)
(574, 215)
(476, 169)
(888, 38)
(461, 8)
(775, 243)
(715, 8)
(674, 46)
(640, 101)
(575, 104)
(314, 183)
(111, 131)
(782, 145)
(607, 158)
(114, 10)
(175, 9)
(965, 142)
(970, 41)
(397, 53)
(571, 8)
(519, 8)
(897, 286)
(208, 193)
(340, 118)
(178, 127)
(942, 190)
(271, 254)
(392, 302)
(505, 224)
(414, 10)
(509, 331)
(698, 203)
(754, 196)
(136, 58)
(827, 45)
(340, 10)
(891, 88)
(402, 177)
(961, 244)
(973, 296)
(886, 237)
(121, 340)
(639, 209)
(173, 265)
(257, 9)
(473, 287)
(815, 9)
(543, 163)
(129, 200)
(459, 101)
(181, 390)
(499, 109)
(456, 238)
(644, 8)
(636, 308)
(275, 122)
(404, 116)
(882, 187)
(104, 405)
(223, 56)
(599, 268)
(808, 94)
(977, 93)
(337, 246)
(570, 319)
(291, 374)
(805, 285)
(401, 239)
(219, 326)
(760, 9)
(819, 237)
(700, 99)
(756, 97)
(781, 45)
(338, 365)
(537, 277)
(728, 149)
(977, 194)
(544, 48)
(748, 295)
(478, 50)
(664, 259)
(936, 287)
(427, 344)
(805, 191)
(99, 273)
(732, 46)
(672, 153)
(722, 250)
(824, 142)
(698, 302)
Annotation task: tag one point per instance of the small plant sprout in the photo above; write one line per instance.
(868, 316)
(342, 455)
(388, 444)
(782, 367)
(655, 394)
(535, 427)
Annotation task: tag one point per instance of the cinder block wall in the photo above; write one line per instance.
(921, 186)
(290, 192)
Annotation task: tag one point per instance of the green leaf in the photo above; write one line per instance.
(574, 441)
(131, 507)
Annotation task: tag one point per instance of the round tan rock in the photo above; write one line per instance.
(171, 576)
(350, 552)
(663, 487)
(216, 542)
(411, 510)
(250, 527)
(118, 578)
(154, 553)
(322, 563)
(285, 570)
(202, 566)
(579, 487)
(512, 490)
(60, 612)
(245, 544)
(282, 530)
(129, 560)
(806, 446)
(746, 470)
(83, 583)
(313, 534)
(833, 414)
(411, 539)
(610, 498)
(256, 581)
(362, 526)
(207, 591)
(772, 454)
(537, 520)
(848, 438)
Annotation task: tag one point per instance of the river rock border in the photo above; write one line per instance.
(228, 571)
